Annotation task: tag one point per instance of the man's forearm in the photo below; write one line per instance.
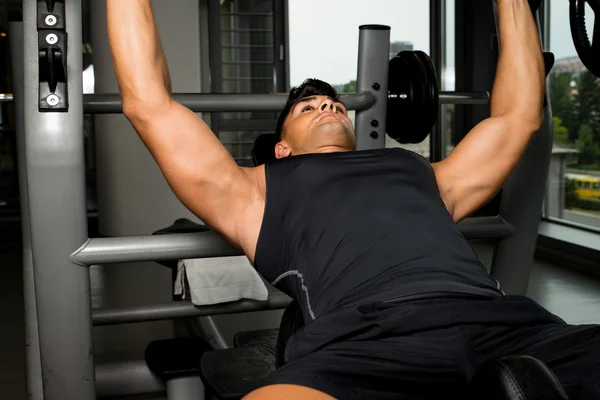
(520, 77)
(138, 58)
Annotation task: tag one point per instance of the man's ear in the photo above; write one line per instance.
(282, 150)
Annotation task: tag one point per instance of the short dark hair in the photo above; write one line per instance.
(310, 87)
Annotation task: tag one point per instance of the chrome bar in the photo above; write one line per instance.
(111, 103)
(464, 97)
(184, 309)
(177, 246)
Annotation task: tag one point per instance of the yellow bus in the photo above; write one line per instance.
(586, 186)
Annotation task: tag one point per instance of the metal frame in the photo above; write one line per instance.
(437, 50)
(208, 244)
(55, 193)
(521, 205)
(51, 157)
(32, 342)
(111, 103)
(372, 77)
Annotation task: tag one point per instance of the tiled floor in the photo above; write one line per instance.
(571, 295)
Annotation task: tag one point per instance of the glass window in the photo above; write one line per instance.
(323, 39)
(572, 192)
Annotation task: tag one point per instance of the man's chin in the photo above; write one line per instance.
(333, 127)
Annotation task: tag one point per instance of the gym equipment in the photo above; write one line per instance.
(175, 361)
(516, 378)
(587, 50)
(412, 107)
(52, 156)
(111, 103)
(535, 5)
(413, 100)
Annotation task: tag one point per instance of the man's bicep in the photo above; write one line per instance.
(480, 164)
(198, 168)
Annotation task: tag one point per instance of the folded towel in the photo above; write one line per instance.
(219, 280)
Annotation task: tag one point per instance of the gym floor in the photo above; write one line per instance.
(572, 295)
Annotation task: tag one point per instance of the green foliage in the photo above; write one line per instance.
(570, 193)
(561, 133)
(589, 148)
(584, 204)
(575, 101)
(559, 86)
(349, 87)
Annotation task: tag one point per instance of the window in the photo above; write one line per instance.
(246, 56)
(323, 39)
(572, 194)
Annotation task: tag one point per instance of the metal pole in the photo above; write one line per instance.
(56, 196)
(464, 97)
(111, 103)
(185, 388)
(180, 246)
(185, 309)
(436, 51)
(176, 246)
(126, 378)
(521, 206)
(373, 59)
(32, 342)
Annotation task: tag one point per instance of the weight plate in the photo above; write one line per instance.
(413, 97)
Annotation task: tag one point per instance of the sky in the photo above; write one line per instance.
(324, 33)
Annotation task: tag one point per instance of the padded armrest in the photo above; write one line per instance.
(516, 378)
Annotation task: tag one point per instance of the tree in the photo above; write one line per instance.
(559, 86)
(588, 106)
(561, 134)
(588, 147)
(350, 87)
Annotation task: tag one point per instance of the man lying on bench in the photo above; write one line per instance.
(396, 303)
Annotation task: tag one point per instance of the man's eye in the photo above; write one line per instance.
(340, 109)
(306, 108)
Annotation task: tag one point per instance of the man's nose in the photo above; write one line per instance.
(327, 105)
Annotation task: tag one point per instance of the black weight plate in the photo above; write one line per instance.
(413, 101)
(400, 95)
(430, 104)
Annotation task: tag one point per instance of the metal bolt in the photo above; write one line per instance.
(51, 20)
(376, 86)
(374, 135)
(52, 100)
(374, 123)
(52, 38)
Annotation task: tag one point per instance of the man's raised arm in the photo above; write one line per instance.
(480, 164)
(196, 165)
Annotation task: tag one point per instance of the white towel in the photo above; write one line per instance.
(219, 280)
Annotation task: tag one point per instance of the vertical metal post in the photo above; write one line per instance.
(185, 388)
(32, 343)
(215, 56)
(373, 59)
(521, 205)
(55, 169)
(437, 24)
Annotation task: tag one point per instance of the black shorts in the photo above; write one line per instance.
(432, 349)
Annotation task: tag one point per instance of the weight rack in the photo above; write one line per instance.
(49, 109)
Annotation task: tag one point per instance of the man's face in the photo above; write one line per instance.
(316, 124)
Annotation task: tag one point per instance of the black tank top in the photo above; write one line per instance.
(343, 228)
